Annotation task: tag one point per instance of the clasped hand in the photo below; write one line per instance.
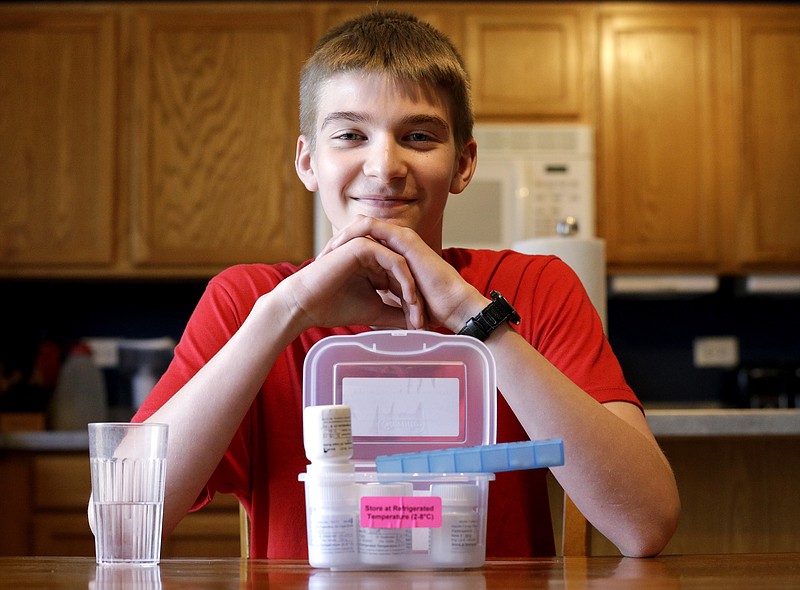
(376, 273)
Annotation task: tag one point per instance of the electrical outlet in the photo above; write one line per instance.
(716, 351)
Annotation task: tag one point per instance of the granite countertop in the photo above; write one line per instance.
(672, 422)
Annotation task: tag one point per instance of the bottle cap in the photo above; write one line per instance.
(330, 484)
(456, 493)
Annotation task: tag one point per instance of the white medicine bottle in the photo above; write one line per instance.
(457, 543)
(380, 546)
(331, 492)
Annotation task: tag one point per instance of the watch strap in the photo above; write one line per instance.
(498, 312)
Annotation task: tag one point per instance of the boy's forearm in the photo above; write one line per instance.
(614, 471)
(205, 413)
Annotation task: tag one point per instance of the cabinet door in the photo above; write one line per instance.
(658, 180)
(768, 221)
(525, 60)
(57, 123)
(214, 133)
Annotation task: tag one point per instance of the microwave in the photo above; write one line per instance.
(529, 178)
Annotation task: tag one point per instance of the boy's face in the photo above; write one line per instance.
(384, 149)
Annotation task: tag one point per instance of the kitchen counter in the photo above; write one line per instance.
(673, 422)
(45, 441)
(723, 422)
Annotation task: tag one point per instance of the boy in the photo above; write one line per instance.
(386, 136)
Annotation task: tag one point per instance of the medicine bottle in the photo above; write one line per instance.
(331, 492)
(457, 543)
(328, 434)
(386, 545)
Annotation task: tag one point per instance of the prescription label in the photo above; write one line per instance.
(397, 512)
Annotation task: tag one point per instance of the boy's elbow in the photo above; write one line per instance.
(650, 539)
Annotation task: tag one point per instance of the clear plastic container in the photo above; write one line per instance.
(408, 391)
(421, 514)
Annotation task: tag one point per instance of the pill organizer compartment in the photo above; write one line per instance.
(408, 391)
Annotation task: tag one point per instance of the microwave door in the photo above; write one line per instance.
(483, 215)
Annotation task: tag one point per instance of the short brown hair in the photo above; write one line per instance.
(397, 44)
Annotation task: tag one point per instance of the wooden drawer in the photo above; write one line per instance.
(208, 533)
(46, 513)
(205, 534)
(61, 482)
(62, 534)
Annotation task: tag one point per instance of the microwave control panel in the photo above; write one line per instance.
(553, 190)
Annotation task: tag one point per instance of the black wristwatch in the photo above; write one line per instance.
(493, 315)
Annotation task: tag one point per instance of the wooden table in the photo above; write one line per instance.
(706, 572)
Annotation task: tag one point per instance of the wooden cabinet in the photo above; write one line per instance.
(767, 219)
(58, 123)
(214, 123)
(699, 135)
(44, 511)
(658, 141)
(526, 60)
(157, 139)
(147, 139)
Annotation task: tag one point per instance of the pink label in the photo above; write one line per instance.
(401, 512)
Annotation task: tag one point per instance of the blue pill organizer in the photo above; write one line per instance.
(480, 459)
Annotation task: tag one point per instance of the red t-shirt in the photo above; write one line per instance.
(266, 455)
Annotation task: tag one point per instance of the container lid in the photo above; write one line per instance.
(408, 391)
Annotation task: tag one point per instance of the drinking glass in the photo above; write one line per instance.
(128, 466)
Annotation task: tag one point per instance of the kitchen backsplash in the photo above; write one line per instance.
(59, 313)
(653, 336)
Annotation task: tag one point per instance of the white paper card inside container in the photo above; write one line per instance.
(405, 392)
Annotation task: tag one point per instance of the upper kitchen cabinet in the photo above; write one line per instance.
(526, 60)
(659, 147)
(768, 218)
(699, 137)
(149, 139)
(58, 116)
(212, 138)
